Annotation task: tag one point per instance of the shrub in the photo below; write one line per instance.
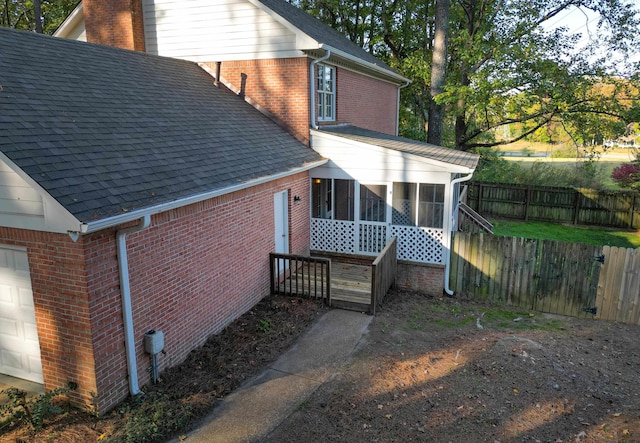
(32, 410)
(627, 175)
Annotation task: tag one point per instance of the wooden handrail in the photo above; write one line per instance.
(383, 273)
(300, 276)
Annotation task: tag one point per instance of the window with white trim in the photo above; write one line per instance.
(326, 93)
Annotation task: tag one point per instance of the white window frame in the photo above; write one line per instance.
(326, 93)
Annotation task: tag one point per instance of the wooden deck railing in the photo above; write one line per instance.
(301, 276)
(383, 273)
(470, 221)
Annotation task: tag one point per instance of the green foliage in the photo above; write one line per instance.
(572, 234)
(19, 14)
(151, 418)
(264, 325)
(33, 410)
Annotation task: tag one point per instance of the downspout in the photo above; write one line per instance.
(447, 261)
(127, 311)
(312, 88)
(398, 106)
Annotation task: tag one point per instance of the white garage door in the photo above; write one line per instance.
(19, 347)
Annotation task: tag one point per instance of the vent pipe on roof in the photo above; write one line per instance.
(125, 294)
(447, 259)
(217, 81)
(312, 88)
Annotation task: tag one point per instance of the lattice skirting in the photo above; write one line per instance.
(414, 243)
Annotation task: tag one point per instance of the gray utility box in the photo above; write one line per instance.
(153, 342)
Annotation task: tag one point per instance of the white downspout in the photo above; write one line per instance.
(127, 312)
(398, 105)
(447, 261)
(312, 88)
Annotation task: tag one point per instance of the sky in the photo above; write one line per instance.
(584, 22)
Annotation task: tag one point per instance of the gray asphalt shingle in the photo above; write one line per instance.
(105, 130)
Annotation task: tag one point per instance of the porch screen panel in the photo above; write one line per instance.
(404, 204)
(431, 205)
(321, 198)
(344, 196)
(373, 203)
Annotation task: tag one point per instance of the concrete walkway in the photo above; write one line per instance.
(258, 407)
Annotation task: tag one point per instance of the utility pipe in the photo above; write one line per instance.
(127, 312)
(447, 263)
(312, 88)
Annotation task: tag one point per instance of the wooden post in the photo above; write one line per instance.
(480, 198)
(632, 210)
(527, 196)
(576, 208)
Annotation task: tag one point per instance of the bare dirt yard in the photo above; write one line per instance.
(429, 370)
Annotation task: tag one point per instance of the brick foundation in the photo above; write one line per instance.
(425, 279)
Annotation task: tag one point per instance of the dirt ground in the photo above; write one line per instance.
(429, 369)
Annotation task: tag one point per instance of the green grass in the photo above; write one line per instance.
(574, 234)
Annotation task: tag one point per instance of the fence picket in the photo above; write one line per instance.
(549, 276)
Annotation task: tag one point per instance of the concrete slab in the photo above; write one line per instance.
(253, 411)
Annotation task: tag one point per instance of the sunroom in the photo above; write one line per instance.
(376, 186)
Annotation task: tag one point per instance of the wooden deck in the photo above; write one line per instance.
(350, 284)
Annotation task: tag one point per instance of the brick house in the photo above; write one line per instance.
(134, 186)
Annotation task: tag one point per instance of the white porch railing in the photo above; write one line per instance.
(415, 243)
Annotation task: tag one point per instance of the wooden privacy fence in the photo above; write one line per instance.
(563, 205)
(383, 273)
(549, 276)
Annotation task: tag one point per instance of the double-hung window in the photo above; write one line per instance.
(326, 93)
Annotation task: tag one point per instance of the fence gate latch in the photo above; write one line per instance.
(592, 311)
(599, 258)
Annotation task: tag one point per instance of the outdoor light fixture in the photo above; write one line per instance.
(296, 198)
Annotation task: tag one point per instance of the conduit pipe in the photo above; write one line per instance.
(312, 88)
(408, 82)
(447, 261)
(125, 294)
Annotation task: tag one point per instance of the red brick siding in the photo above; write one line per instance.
(58, 282)
(115, 23)
(426, 279)
(192, 272)
(366, 102)
(279, 85)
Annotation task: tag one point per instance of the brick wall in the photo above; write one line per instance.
(366, 102)
(58, 282)
(192, 272)
(115, 23)
(279, 85)
(425, 279)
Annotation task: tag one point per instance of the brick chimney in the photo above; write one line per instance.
(114, 23)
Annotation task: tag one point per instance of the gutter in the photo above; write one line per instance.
(447, 261)
(312, 87)
(127, 311)
(98, 225)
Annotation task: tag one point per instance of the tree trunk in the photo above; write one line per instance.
(438, 72)
(37, 16)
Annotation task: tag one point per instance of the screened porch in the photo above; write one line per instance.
(350, 217)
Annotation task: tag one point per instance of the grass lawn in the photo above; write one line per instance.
(566, 233)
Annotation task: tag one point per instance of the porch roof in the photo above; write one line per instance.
(405, 145)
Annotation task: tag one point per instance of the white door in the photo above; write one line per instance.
(19, 346)
(281, 223)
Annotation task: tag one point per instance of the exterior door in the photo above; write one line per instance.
(372, 218)
(281, 225)
(19, 345)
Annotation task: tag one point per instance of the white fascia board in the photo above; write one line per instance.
(302, 39)
(453, 168)
(116, 220)
(399, 79)
(70, 22)
(56, 217)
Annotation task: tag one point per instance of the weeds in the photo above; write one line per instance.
(32, 410)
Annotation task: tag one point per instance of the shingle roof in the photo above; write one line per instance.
(104, 130)
(321, 32)
(426, 150)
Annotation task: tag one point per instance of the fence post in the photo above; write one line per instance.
(480, 190)
(632, 210)
(576, 207)
(527, 196)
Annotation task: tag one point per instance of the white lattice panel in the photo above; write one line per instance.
(373, 238)
(419, 244)
(401, 214)
(333, 236)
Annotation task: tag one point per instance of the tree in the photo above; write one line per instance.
(504, 67)
(21, 14)
(438, 72)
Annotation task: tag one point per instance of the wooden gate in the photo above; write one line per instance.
(549, 276)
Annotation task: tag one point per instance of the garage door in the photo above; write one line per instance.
(19, 347)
